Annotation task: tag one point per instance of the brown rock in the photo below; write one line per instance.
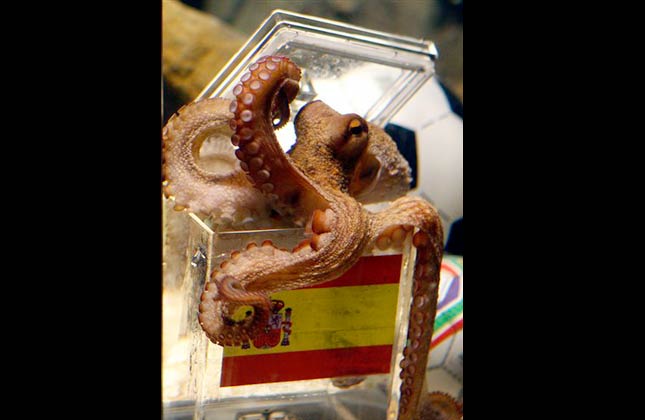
(196, 45)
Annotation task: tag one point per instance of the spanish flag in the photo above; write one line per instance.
(344, 327)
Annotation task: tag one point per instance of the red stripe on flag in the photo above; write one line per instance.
(372, 270)
(437, 340)
(299, 365)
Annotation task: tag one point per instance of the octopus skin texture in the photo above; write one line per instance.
(337, 159)
(224, 192)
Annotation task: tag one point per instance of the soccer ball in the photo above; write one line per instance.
(433, 145)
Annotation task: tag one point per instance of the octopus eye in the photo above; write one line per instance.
(356, 127)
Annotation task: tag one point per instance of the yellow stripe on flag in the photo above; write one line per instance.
(333, 318)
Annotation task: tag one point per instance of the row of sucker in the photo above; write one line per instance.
(404, 216)
(421, 322)
(248, 112)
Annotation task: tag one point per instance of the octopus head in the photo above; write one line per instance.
(345, 135)
(381, 173)
(376, 169)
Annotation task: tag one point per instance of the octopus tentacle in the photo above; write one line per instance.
(403, 215)
(215, 313)
(260, 98)
(191, 186)
(420, 326)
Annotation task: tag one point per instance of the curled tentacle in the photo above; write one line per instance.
(219, 300)
(222, 192)
(260, 100)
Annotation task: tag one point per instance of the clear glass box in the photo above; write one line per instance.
(351, 69)
(202, 396)
(381, 72)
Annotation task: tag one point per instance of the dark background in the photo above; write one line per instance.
(440, 21)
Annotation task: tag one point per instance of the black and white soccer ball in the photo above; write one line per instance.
(429, 133)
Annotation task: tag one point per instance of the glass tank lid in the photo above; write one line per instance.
(352, 69)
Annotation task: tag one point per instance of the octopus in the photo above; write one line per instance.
(223, 192)
(339, 163)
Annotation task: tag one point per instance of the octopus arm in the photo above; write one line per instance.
(261, 106)
(390, 228)
(189, 185)
(254, 273)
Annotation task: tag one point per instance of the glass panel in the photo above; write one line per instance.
(327, 397)
(352, 69)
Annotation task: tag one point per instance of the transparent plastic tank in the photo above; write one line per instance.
(201, 389)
